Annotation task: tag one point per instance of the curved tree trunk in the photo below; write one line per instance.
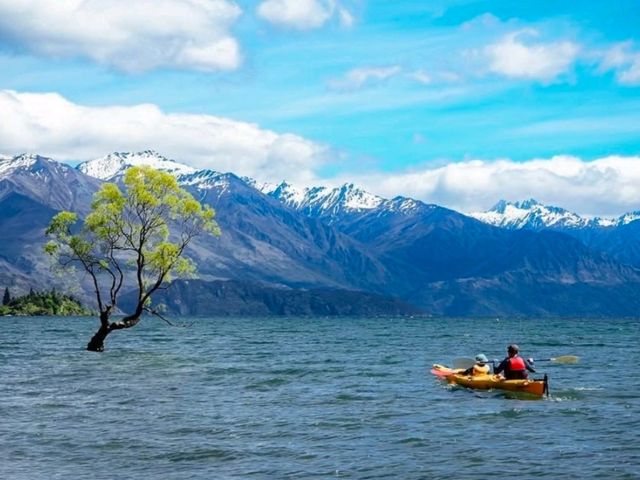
(96, 344)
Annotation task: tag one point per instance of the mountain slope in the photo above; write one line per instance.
(262, 239)
(32, 190)
(46, 181)
(265, 240)
(431, 252)
(198, 297)
(617, 237)
(339, 239)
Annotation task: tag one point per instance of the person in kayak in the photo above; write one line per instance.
(514, 366)
(481, 366)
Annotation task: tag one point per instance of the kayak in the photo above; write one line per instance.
(533, 387)
(442, 371)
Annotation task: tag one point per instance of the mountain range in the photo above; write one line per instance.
(398, 256)
(617, 237)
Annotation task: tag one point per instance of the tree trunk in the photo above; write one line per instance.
(96, 344)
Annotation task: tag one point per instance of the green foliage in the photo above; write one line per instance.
(44, 303)
(143, 229)
(7, 296)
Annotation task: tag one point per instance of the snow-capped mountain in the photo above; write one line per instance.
(53, 183)
(10, 164)
(533, 215)
(322, 202)
(205, 179)
(346, 238)
(339, 204)
(115, 164)
(626, 218)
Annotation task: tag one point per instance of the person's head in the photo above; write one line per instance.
(481, 358)
(513, 350)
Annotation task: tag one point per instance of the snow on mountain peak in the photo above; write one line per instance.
(405, 205)
(115, 164)
(287, 193)
(534, 215)
(23, 161)
(204, 179)
(529, 214)
(357, 199)
(626, 218)
(322, 200)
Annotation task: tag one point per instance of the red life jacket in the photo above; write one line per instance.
(516, 364)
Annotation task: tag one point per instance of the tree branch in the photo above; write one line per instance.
(157, 314)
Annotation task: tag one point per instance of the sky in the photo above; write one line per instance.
(458, 102)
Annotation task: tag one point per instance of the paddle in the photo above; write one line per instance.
(465, 362)
(562, 359)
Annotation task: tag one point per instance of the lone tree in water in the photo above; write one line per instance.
(140, 233)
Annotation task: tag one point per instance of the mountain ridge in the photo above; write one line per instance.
(439, 260)
(535, 215)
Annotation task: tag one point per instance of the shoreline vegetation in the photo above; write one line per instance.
(44, 303)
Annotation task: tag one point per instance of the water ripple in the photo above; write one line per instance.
(312, 398)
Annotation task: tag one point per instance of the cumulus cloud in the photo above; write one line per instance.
(606, 186)
(303, 14)
(512, 57)
(132, 36)
(359, 77)
(49, 124)
(625, 61)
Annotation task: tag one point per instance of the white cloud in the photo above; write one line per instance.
(48, 124)
(538, 61)
(132, 36)
(421, 76)
(624, 61)
(346, 18)
(303, 14)
(358, 77)
(606, 186)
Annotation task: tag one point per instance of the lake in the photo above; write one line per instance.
(313, 398)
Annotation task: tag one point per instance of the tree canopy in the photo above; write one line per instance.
(44, 303)
(132, 238)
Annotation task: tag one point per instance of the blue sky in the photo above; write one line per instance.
(393, 95)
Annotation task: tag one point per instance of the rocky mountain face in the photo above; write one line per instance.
(279, 242)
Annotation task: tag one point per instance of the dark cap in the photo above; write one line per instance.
(513, 348)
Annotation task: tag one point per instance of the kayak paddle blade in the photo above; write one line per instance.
(566, 359)
(463, 363)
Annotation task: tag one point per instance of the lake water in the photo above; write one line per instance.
(312, 398)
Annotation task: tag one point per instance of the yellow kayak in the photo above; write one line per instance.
(534, 387)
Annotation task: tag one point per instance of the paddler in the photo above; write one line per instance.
(514, 366)
(480, 367)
